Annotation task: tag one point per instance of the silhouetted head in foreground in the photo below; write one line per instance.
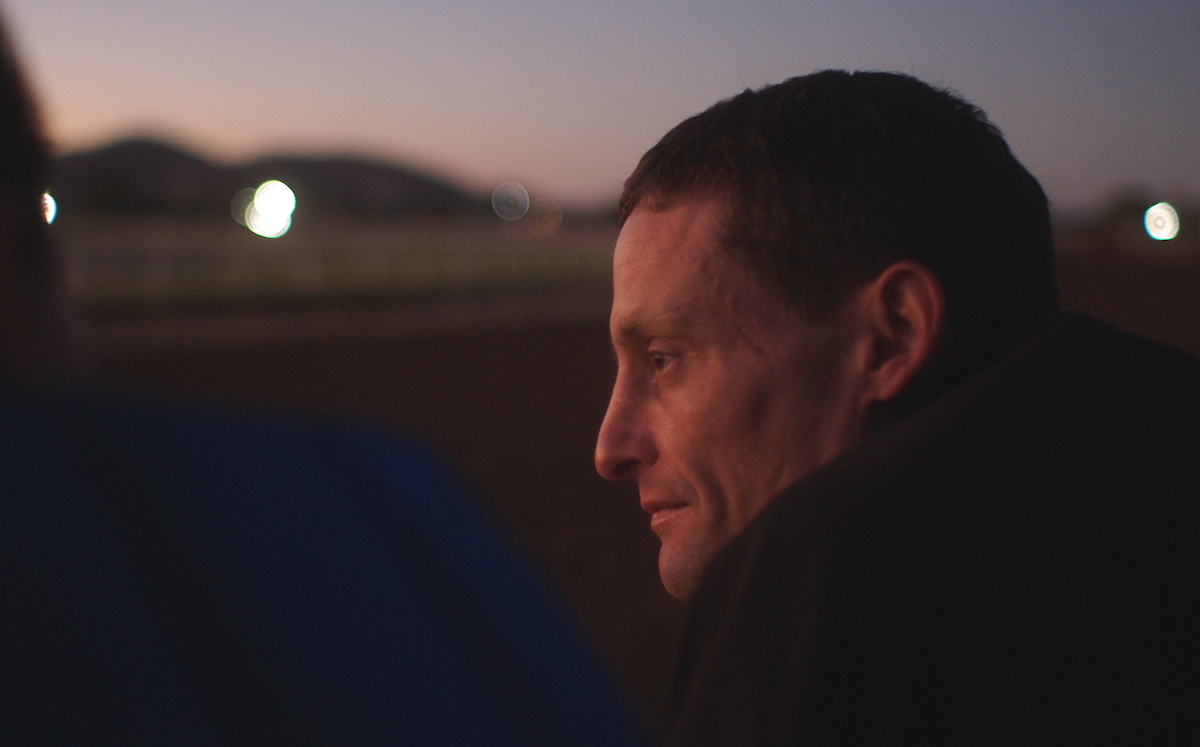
(798, 266)
(32, 347)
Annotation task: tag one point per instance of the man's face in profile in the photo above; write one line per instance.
(724, 395)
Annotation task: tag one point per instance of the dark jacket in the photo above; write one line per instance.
(1016, 563)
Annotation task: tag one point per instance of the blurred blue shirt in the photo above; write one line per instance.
(175, 575)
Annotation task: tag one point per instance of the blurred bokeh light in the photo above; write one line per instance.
(240, 204)
(267, 211)
(544, 217)
(510, 201)
(275, 198)
(1162, 222)
(49, 207)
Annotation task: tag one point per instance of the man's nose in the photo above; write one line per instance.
(624, 445)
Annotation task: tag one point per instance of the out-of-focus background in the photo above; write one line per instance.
(405, 212)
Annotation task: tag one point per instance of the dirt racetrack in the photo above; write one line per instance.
(513, 390)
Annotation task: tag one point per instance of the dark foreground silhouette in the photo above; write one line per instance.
(177, 576)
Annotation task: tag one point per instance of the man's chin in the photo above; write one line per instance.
(680, 569)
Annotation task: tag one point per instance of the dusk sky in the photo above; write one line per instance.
(565, 96)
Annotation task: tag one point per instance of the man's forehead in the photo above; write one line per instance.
(656, 246)
(665, 283)
(674, 278)
(633, 326)
(700, 218)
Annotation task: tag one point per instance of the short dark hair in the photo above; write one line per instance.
(24, 167)
(829, 178)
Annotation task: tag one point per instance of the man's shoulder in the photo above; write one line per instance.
(1078, 404)
(998, 555)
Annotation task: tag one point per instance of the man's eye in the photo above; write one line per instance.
(660, 361)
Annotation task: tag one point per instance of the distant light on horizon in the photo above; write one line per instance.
(49, 207)
(544, 217)
(1162, 222)
(510, 201)
(275, 198)
(267, 211)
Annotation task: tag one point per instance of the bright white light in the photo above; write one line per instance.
(49, 207)
(510, 201)
(275, 198)
(270, 225)
(1162, 222)
(267, 211)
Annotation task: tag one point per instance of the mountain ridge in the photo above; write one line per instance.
(149, 176)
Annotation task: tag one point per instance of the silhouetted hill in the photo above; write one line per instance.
(361, 187)
(145, 177)
(139, 177)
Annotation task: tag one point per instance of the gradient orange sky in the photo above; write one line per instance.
(565, 96)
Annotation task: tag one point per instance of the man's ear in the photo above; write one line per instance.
(903, 311)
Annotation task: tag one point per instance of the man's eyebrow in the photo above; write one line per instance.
(629, 332)
(679, 324)
(625, 336)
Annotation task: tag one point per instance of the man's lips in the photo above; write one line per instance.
(661, 511)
